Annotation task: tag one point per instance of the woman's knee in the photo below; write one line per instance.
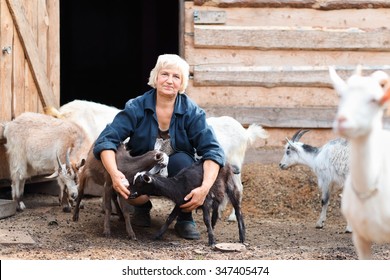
(178, 161)
(140, 200)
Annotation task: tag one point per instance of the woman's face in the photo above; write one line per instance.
(168, 81)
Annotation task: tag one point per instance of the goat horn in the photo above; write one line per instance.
(67, 158)
(359, 70)
(298, 135)
(59, 162)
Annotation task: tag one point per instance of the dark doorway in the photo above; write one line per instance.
(109, 47)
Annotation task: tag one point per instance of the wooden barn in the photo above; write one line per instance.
(259, 61)
(267, 61)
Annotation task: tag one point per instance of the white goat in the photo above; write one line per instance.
(234, 139)
(36, 144)
(329, 163)
(366, 196)
(91, 116)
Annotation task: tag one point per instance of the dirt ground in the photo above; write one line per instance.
(280, 210)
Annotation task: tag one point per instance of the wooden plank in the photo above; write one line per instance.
(53, 47)
(278, 117)
(6, 66)
(277, 137)
(262, 96)
(359, 18)
(42, 30)
(32, 98)
(4, 168)
(7, 208)
(309, 38)
(19, 79)
(308, 4)
(272, 76)
(209, 17)
(32, 53)
(251, 57)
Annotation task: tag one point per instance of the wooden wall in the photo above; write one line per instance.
(29, 61)
(267, 61)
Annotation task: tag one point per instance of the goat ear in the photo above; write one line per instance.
(381, 77)
(291, 144)
(386, 97)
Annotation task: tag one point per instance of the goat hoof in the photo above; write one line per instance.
(20, 207)
(157, 237)
(320, 225)
(232, 219)
(212, 243)
(66, 209)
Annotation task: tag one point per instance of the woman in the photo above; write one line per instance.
(164, 117)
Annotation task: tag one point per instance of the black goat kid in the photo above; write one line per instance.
(94, 170)
(177, 187)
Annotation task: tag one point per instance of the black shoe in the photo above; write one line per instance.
(187, 229)
(141, 215)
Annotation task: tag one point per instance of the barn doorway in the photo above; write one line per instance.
(107, 48)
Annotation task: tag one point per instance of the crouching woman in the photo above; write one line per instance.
(167, 119)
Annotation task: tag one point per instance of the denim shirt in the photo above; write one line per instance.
(188, 130)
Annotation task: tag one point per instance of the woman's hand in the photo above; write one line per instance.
(120, 184)
(197, 196)
(195, 199)
(117, 177)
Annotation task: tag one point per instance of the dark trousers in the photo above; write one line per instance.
(177, 162)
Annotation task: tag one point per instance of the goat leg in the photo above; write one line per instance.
(66, 206)
(125, 209)
(240, 222)
(235, 199)
(215, 214)
(80, 197)
(117, 206)
(77, 207)
(107, 209)
(17, 193)
(324, 203)
(175, 212)
(206, 220)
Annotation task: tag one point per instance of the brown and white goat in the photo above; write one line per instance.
(177, 187)
(36, 144)
(153, 161)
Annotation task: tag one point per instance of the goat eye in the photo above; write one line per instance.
(288, 152)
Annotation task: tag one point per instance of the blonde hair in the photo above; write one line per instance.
(170, 61)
